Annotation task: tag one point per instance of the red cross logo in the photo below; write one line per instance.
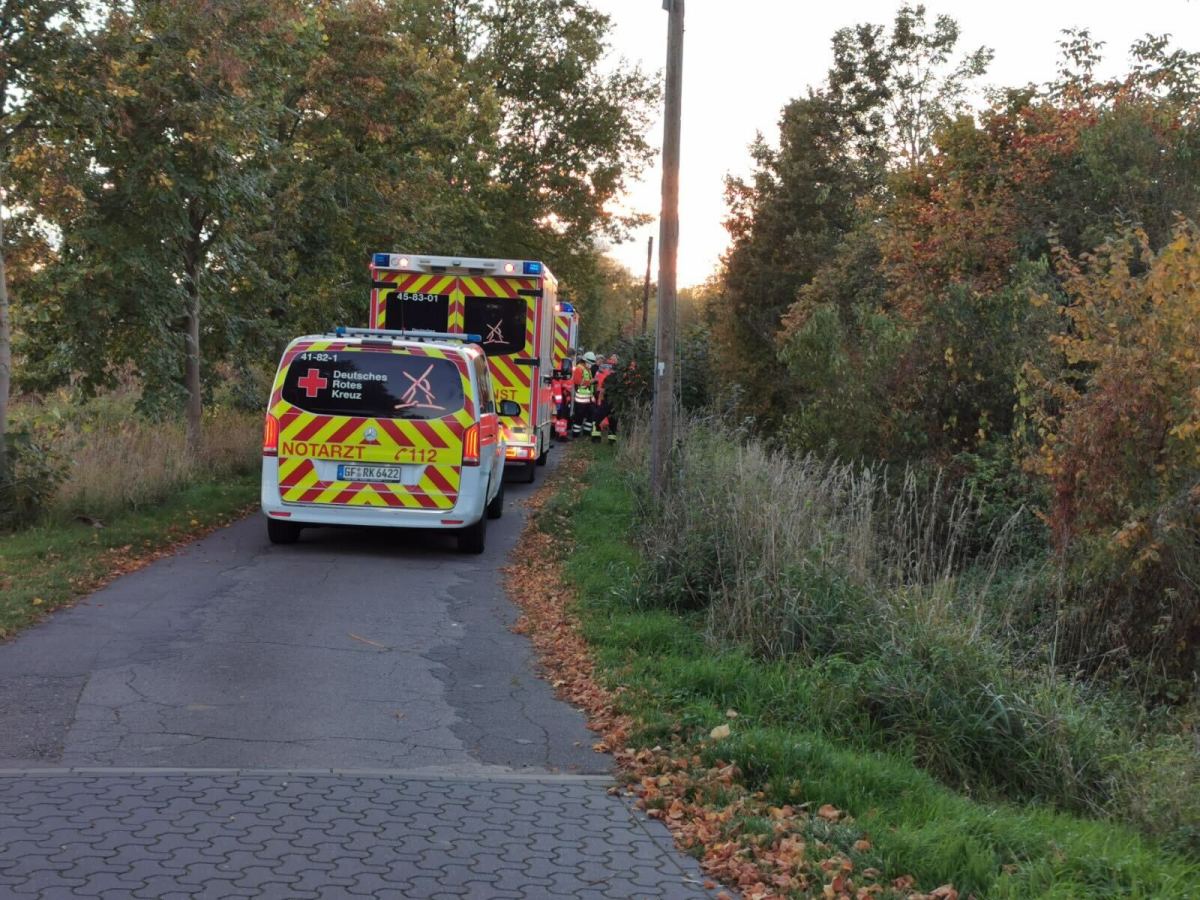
(313, 383)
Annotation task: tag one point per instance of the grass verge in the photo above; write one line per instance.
(782, 809)
(51, 565)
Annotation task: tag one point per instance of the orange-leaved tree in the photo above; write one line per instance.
(1119, 443)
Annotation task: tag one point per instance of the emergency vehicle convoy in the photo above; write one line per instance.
(385, 427)
(509, 303)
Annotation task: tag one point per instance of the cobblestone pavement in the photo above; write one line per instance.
(174, 834)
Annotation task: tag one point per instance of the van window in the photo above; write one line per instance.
(373, 385)
(500, 323)
(413, 311)
(487, 402)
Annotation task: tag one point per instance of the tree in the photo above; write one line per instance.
(383, 144)
(571, 135)
(785, 223)
(33, 37)
(900, 88)
(177, 189)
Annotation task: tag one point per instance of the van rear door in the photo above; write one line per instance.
(501, 311)
(370, 426)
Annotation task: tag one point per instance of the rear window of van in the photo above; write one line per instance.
(373, 385)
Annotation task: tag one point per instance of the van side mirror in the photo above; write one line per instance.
(510, 408)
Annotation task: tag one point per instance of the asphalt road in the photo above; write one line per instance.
(371, 673)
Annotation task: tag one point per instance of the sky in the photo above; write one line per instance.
(743, 60)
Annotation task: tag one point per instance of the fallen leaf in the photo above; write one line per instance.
(829, 812)
(37, 601)
(731, 713)
(862, 846)
(719, 733)
(359, 637)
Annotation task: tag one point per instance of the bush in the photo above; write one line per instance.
(29, 479)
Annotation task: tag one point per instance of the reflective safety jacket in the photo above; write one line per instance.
(583, 384)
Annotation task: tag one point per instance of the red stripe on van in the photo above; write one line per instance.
(351, 426)
(312, 428)
(440, 480)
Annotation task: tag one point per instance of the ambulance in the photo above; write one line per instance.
(389, 428)
(508, 302)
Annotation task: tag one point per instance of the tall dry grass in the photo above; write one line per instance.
(127, 463)
(894, 604)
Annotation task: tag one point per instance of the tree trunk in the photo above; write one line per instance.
(5, 359)
(192, 261)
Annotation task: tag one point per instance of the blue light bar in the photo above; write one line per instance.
(567, 307)
(475, 338)
(382, 260)
(533, 268)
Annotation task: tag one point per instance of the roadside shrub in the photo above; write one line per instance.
(29, 479)
(1119, 448)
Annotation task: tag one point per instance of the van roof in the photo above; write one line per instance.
(467, 343)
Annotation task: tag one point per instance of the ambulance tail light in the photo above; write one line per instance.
(471, 446)
(270, 436)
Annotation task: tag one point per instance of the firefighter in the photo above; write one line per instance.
(583, 381)
(605, 414)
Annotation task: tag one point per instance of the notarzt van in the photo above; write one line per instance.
(389, 428)
(509, 303)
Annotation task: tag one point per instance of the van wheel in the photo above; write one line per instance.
(528, 471)
(495, 509)
(471, 539)
(282, 532)
(541, 460)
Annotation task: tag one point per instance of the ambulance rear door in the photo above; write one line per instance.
(369, 426)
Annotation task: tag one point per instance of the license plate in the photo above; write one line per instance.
(386, 474)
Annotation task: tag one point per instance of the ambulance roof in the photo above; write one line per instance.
(462, 265)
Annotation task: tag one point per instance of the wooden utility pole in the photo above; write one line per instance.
(646, 286)
(662, 425)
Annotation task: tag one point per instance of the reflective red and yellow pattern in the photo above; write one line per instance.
(512, 381)
(417, 284)
(562, 339)
(310, 443)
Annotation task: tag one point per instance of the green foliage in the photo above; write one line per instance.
(631, 386)
(804, 734)
(902, 288)
(883, 602)
(29, 477)
(236, 163)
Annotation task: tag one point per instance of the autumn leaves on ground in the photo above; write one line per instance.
(772, 805)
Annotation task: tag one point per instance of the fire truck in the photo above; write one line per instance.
(509, 304)
(566, 343)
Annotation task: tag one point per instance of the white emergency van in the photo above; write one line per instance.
(388, 428)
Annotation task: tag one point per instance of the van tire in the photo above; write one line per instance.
(541, 460)
(528, 471)
(282, 532)
(495, 509)
(472, 538)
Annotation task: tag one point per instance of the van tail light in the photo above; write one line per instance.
(270, 436)
(471, 446)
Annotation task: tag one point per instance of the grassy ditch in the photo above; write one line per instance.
(804, 737)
